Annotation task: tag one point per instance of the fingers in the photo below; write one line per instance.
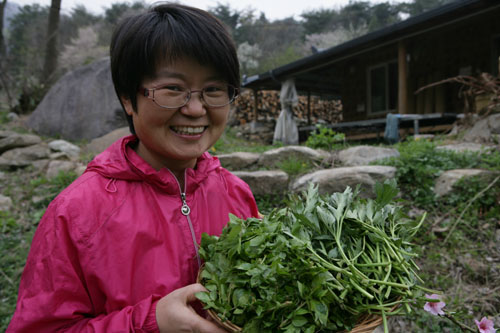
(175, 314)
(206, 326)
(190, 291)
(202, 325)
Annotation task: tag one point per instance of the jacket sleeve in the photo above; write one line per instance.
(53, 294)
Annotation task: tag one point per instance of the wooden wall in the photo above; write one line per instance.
(464, 47)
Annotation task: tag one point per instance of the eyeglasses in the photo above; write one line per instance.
(176, 96)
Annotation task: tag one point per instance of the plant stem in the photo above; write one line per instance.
(462, 326)
(467, 207)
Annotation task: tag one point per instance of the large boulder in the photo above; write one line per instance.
(463, 147)
(265, 182)
(337, 179)
(238, 160)
(22, 157)
(16, 140)
(98, 145)
(485, 130)
(272, 158)
(81, 105)
(444, 183)
(364, 155)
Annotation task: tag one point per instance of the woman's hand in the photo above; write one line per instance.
(174, 314)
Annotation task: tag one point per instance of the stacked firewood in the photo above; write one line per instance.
(269, 108)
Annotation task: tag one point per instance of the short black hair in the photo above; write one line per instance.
(164, 34)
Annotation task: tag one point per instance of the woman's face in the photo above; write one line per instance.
(175, 138)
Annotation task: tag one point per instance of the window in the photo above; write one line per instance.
(383, 88)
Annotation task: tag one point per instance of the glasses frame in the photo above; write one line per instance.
(150, 93)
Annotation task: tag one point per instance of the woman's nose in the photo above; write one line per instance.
(195, 106)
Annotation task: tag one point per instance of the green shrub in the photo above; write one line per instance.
(464, 194)
(324, 138)
(294, 167)
(420, 163)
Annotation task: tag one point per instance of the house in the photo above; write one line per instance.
(378, 73)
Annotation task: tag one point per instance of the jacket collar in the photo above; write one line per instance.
(121, 162)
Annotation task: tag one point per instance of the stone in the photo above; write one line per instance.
(6, 133)
(273, 157)
(65, 147)
(337, 179)
(57, 166)
(238, 160)
(59, 156)
(444, 183)
(16, 140)
(428, 137)
(40, 165)
(485, 130)
(465, 147)
(80, 169)
(364, 155)
(98, 145)
(21, 157)
(265, 182)
(82, 104)
(12, 116)
(5, 203)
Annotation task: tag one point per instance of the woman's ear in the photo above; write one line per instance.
(127, 104)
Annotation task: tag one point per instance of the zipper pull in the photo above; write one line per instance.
(185, 210)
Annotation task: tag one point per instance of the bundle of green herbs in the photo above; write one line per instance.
(317, 265)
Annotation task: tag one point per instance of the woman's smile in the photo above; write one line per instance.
(188, 130)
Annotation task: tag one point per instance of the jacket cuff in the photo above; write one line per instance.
(150, 324)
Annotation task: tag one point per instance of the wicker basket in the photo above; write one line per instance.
(367, 323)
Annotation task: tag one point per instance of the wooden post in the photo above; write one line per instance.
(308, 107)
(429, 95)
(256, 103)
(402, 79)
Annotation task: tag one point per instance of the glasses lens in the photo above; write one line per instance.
(218, 94)
(172, 96)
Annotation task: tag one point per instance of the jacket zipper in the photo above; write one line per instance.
(185, 210)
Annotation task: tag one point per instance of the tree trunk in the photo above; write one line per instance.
(51, 52)
(2, 44)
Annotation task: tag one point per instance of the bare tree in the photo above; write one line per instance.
(51, 52)
(2, 44)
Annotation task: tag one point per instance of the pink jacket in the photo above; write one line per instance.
(119, 238)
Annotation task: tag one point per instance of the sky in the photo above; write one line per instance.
(274, 9)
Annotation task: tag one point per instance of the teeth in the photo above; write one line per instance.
(188, 130)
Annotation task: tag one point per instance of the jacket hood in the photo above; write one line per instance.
(120, 162)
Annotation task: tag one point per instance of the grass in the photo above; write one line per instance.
(464, 263)
(230, 142)
(30, 194)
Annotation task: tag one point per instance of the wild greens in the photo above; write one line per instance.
(315, 266)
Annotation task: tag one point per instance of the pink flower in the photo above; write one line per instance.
(435, 308)
(485, 325)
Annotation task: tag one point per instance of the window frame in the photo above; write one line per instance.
(386, 65)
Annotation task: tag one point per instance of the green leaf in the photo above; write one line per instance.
(203, 297)
(320, 311)
(299, 321)
(241, 297)
(386, 192)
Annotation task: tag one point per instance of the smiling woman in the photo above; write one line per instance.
(118, 249)
(175, 137)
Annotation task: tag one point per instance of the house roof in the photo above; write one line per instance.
(315, 73)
